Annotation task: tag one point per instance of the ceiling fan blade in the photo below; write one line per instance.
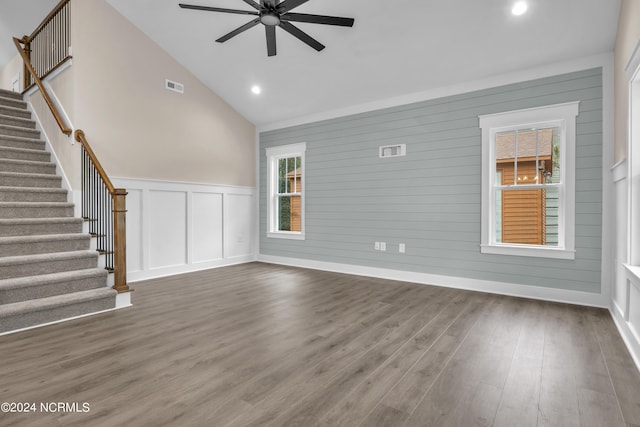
(253, 4)
(217, 9)
(271, 39)
(298, 33)
(318, 19)
(238, 30)
(287, 5)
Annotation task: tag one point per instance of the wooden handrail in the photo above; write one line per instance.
(46, 20)
(45, 94)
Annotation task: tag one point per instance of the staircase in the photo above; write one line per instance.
(47, 271)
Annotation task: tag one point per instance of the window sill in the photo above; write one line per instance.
(633, 271)
(292, 235)
(528, 251)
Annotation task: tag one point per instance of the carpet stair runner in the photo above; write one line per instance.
(48, 272)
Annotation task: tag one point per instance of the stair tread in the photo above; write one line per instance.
(9, 108)
(40, 304)
(23, 150)
(36, 204)
(54, 256)
(4, 93)
(20, 139)
(43, 237)
(30, 175)
(12, 127)
(18, 282)
(20, 119)
(27, 162)
(48, 220)
(32, 189)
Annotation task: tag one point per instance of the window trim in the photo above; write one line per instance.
(273, 155)
(562, 115)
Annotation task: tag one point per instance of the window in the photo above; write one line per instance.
(528, 175)
(285, 181)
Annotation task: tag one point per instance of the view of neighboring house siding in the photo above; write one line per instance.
(430, 199)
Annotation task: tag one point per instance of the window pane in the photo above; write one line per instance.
(505, 157)
(527, 157)
(551, 166)
(284, 213)
(289, 213)
(282, 176)
(527, 216)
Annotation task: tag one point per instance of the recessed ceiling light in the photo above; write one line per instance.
(256, 89)
(519, 8)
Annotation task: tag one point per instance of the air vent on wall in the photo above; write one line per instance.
(393, 150)
(174, 86)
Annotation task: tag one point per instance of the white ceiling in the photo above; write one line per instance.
(395, 48)
(19, 18)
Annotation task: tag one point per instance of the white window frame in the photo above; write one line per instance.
(558, 115)
(273, 155)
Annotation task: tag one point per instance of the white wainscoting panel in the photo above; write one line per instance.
(206, 229)
(239, 230)
(625, 298)
(634, 308)
(134, 230)
(167, 220)
(176, 227)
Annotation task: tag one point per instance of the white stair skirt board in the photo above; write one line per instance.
(523, 291)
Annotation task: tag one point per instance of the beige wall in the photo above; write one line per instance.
(626, 40)
(137, 128)
(9, 71)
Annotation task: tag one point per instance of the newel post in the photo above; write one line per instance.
(120, 240)
(26, 77)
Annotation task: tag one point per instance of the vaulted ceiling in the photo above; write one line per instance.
(395, 48)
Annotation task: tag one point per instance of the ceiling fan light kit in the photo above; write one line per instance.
(272, 14)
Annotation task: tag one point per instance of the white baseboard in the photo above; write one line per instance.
(524, 291)
(138, 276)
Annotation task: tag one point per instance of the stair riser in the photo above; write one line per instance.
(25, 320)
(32, 196)
(50, 246)
(15, 103)
(40, 229)
(45, 267)
(21, 143)
(32, 182)
(14, 121)
(44, 168)
(7, 111)
(35, 212)
(36, 156)
(50, 289)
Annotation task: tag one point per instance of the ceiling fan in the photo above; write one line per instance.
(272, 14)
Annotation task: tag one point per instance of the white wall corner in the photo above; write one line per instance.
(607, 265)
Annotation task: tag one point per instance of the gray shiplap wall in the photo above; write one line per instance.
(430, 199)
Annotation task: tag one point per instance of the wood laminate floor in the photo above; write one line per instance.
(264, 345)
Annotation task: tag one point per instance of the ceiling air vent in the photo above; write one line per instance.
(393, 150)
(174, 86)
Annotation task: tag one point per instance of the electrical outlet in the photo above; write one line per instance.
(377, 246)
(401, 248)
(383, 246)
